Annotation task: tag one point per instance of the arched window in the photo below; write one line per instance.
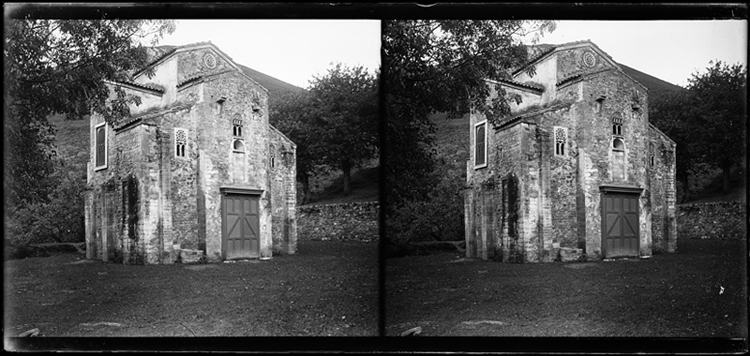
(618, 159)
(238, 146)
(618, 145)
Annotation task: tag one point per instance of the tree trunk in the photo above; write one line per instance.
(346, 167)
(305, 180)
(725, 171)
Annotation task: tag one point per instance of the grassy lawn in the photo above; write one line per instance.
(698, 292)
(328, 288)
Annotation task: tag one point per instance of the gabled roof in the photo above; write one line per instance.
(649, 82)
(170, 51)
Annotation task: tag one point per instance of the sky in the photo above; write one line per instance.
(669, 50)
(297, 50)
(294, 51)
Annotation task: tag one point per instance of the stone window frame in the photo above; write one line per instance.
(104, 153)
(237, 127)
(617, 126)
(617, 148)
(238, 145)
(180, 145)
(483, 163)
(560, 146)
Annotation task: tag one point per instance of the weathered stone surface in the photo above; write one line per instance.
(719, 220)
(159, 202)
(568, 254)
(348, 221)
(533, 202)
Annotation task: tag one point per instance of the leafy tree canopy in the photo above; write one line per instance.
(720, 102)
(59, 66)
(442, 66)
(346, 109)
(292, 115)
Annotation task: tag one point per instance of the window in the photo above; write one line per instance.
(652, 160)
(561, 140)
(238, 146)
(599, 104)
(180, 141)
(237, 127)
(618, 145)
(480, 144)
(273, 159)
(617, 126)
(100, 131)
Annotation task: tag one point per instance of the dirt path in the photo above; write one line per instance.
(699, 292)
(328, 288)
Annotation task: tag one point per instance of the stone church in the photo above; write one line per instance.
(576, 171)
(195, 172)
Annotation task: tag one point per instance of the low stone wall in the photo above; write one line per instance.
(721, 220)
(348, 221)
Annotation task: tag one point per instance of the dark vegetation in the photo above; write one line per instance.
(64, 295)
(433, 66)
(699, 292)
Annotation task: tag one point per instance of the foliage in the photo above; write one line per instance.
(440, 66)
(59, 66)
(719, 100)
(672, 113)
(345, 105)
(60, 219)
(707, 122)
(292, 115)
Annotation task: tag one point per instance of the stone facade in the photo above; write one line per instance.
(200, 135)
(345, 222)
(581, 135)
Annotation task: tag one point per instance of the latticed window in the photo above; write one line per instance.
(101, 145)
(561, 140)
(480, 145)
(237, 127)
(617, 126)
(180, 142)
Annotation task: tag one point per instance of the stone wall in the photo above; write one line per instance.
(721, 220)
(349, 221)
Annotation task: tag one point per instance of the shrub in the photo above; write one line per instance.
(439, 217)
(58, 220)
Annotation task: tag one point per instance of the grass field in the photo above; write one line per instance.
(328, 289)
(698, 292)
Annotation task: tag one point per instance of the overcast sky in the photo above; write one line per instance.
(669, 50)
(296, 50)
(291, 50)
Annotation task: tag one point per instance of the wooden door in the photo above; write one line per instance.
(620, 235)
(241, 222)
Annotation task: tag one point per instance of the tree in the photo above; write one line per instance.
(673, 113)
(59, 66)
(719, 98)
(292, 115)
(441, 66)
(345, 104)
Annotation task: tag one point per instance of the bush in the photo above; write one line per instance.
(440, 217)
(58, 220)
